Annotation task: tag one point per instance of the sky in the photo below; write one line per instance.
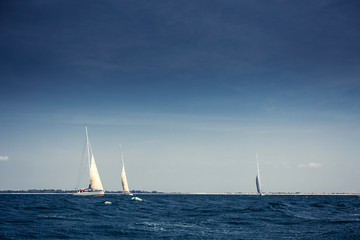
(192, 90)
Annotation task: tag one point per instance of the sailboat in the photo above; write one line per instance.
(95, 187)
(258, 180)
(123, 176)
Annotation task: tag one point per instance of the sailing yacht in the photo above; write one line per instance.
(258, 180)
(123, 176)
(95, 187)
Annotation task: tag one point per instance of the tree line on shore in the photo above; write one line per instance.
(65, 191)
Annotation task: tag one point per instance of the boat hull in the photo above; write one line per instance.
(90, 193)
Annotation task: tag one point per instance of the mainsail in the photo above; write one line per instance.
(95, 181)
(124, 180)
(258, 181)
(123, 175)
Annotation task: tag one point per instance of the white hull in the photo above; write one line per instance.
(89, 193)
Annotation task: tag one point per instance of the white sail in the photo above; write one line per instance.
(123, 175)
(124, 180)
(258, 180)
(95, 181)
(95, 188)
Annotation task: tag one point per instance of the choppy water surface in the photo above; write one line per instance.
(179, 217)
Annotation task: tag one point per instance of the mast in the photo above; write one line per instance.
(87, 147)
(122, 157)
(258, 180)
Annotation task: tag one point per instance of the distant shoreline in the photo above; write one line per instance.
(178, 193)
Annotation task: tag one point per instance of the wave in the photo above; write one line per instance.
(179, 216)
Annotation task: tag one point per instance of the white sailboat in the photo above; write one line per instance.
(258, 180)
(123, 176)
(95, 187)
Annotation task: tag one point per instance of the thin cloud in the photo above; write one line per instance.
(4, 158)
(311, 165)
(315, 165)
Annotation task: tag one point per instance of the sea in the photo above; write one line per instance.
(179, 216)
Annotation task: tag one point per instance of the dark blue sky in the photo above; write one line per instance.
(169, 49)
(285, 63)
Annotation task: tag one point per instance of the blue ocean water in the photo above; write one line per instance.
(179, 217)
